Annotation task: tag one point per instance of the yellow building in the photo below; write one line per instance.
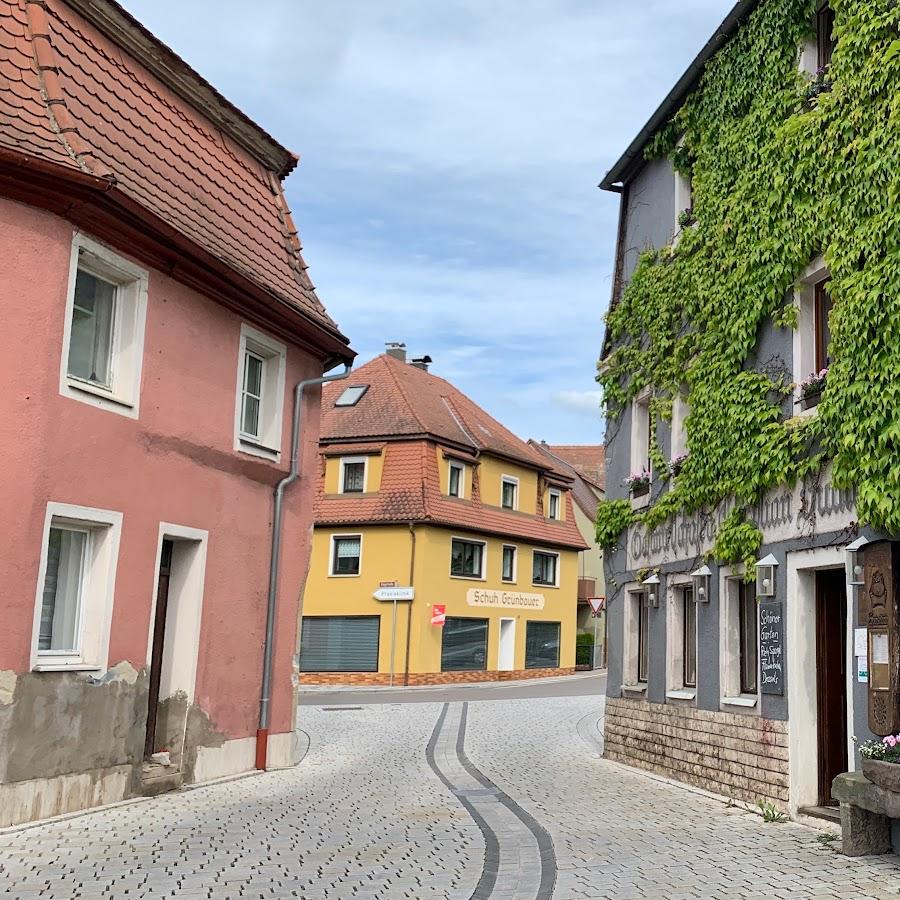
(422, 493)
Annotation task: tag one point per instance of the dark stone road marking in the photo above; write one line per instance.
(504, 836)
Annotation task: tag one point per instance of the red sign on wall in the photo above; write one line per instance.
(438, 614)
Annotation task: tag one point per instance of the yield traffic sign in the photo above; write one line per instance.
(597, 604)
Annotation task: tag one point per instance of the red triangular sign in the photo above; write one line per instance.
(597, 603)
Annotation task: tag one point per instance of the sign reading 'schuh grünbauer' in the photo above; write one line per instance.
(504, 599)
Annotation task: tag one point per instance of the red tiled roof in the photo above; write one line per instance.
(583, 489)
(411, 492)
(405, 401)
(589, 461)
(72, 97)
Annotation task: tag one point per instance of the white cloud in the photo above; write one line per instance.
(450, 156)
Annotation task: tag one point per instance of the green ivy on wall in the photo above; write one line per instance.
(777, 180)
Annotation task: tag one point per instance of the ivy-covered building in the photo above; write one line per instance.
(751, 371)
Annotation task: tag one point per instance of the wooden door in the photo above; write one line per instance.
(831, 678)
(159, 636)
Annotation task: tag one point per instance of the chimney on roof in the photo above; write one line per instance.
(423, 362)
(396, 350)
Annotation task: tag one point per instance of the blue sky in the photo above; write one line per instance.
(450, 155)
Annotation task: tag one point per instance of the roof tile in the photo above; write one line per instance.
(119, 119)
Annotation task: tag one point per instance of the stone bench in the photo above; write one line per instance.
(866, 813)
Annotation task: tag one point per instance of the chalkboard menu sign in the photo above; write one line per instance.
(771, 646)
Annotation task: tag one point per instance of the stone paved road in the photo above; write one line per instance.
(501, 798)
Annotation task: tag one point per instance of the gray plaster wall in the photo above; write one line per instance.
(649, 223)
(650, 217)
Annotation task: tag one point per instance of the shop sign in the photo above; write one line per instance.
(813, 506)
(438, 614)
(504, 599)
(771, 647)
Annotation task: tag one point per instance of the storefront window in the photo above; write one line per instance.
(464, 645)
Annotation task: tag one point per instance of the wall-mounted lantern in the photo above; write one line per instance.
(701, 584)
(765, 576)
(652, 583)
(855, 575)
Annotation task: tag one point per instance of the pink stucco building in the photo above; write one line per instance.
(156, 316)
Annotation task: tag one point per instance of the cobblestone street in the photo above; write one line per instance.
(503, 798)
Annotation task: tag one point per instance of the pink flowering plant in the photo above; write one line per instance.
(814, 383)
(638, 482)
(885, 750)
(677, 464)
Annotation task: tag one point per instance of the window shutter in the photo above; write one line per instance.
(339, 644)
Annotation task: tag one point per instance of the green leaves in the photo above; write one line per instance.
(613, 517)
(775, 184)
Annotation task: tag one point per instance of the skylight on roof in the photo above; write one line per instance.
(352, 395)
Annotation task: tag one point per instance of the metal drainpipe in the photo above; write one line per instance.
(262, 732)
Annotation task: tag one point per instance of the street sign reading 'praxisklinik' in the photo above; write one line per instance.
(393, 594)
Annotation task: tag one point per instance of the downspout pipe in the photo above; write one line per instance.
(262, 732)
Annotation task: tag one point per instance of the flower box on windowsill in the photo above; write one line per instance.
(885, 774)
(640, 489)
(810, 400)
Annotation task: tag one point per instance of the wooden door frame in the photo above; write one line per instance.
(821, 636)
(800, 608)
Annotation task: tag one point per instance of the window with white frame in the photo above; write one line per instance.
(260, 393)
(740, 659)
(456, 486)
(641, 430)
(681, 637)
(553, 504)
(103, 339)
(680, 411)
(509, 492)
(684, 203)
(353, 475)
(467, 558)
(508, 571)
(812, 337)
(346, 554)
(545, 568)
(636, 647)
(76, 581)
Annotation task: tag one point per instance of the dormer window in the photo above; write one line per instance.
(353, 476)
(553, 504)
(509, 492)
(825, 41)
(457, 480)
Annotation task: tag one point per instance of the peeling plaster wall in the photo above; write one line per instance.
(175, 464)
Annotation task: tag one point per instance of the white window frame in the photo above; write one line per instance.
(512, 480)
(461, 468)
(353, 460)
(484, 559)
(630, 641)
(554, 492)
(184, 611)
(271, 410)
(676, 588)
(680, 412)
(545, 553)
(104, 529)
(683, 199)
(804, 361)
(128, 329)
(730, 645)
(640, 442)
(332, 547)
(515, 565)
